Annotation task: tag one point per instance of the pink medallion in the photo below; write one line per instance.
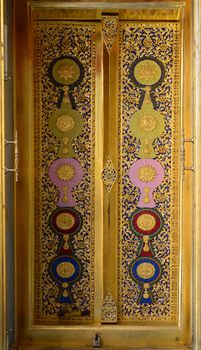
(146, 174)
(65, 173)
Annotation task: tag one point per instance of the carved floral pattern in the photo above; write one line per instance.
(53, 40)
(160, 41)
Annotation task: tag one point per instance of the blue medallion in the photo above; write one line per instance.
(66, 269)
(145, 270)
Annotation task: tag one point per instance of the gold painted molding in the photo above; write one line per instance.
(158, 10)
(87, 348)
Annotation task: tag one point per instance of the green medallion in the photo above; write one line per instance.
(146, 125)
(66, 124)
(147, 72)
(66, 71)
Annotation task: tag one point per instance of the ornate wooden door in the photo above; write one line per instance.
(103, 198)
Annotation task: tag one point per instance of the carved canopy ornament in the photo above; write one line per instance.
(109, 30)
(109, 309)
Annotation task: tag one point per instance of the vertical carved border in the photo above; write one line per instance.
(2, 196)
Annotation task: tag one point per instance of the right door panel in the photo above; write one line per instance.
(150, 171)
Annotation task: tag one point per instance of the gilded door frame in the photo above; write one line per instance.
(196, 61)
(196, 82)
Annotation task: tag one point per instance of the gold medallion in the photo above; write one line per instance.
(65, 172)
(65, 221)
(147, 173)
(65, 123)
(145, 270)
(147, 72)
(146, 222)
(148, 123)
(66, 71)
(65, 269)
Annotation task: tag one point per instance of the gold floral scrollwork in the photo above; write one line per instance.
(109, 174)
(109, 309)
(109, 30)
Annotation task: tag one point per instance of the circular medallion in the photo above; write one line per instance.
(66, 269)
(145, 270)
(147, 71)
(146, 222)
(66, 70)
(65, 172)
(147, 173)
(148, 123)
(66, 221)
(65, 123)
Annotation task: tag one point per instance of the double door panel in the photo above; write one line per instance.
(101, 191)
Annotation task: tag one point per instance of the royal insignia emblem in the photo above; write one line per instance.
(66, 270)
(146, 174)
(145, 272)
(66, 173)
